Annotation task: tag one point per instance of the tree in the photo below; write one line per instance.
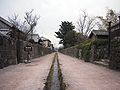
(86, 23)
(80, 38)
(15, 21)
(28, 24)
(70, 38)
(66, 34)
(31, 20)
(111, 15)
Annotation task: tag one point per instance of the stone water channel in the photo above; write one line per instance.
(55, 79)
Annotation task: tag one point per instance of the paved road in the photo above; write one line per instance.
(79, 75)
(26, 76)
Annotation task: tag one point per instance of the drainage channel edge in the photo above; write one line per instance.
(55, 79)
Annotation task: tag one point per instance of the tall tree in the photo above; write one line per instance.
(66, 34)
(111, 15)
(70, 38)
(86, 23)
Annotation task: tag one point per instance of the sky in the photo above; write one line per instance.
(52, 12)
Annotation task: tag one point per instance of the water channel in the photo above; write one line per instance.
(55, 83)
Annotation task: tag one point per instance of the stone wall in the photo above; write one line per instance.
(37, 50)
(7, 52)
(97, 53)
(12, 51)
(72, 51)
(115, 47)
(115, 54)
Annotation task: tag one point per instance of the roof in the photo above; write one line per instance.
(9, 24)
(6, 22)
(44, 39)
(98, 33)
(35, 34)
(2, 35)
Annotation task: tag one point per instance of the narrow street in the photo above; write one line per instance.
(80, 75)
(77, 75)
(26, 76)
(60, 45)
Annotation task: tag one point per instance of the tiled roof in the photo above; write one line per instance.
(98, 32)
(6, 22)
(44, 39)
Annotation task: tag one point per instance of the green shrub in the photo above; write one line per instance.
(86, 46)
(100, 43)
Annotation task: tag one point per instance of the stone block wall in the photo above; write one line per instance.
(12, 52)
(97, 53)
(115, 54)
(72, 51)
(37, 50)
(7, 52)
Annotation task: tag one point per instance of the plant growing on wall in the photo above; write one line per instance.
(86, 46)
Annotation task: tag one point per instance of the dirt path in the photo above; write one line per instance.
(80, 75)
(26, 76)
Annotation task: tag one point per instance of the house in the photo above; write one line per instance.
(5, 26)
(8, 29)
(35, 37)
(46, 42)
(98, 34)
(10, 38)
(51, 47)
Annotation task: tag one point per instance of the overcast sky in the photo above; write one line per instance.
(52, 12)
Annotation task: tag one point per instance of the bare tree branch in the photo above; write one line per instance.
(31, 20)
(28, 24)
(111, 15)
(86, 23)
(14, 20)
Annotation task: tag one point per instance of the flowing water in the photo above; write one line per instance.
(55, 84)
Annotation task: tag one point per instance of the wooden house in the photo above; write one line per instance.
(98, 34)
(8, 29)
(46, 42)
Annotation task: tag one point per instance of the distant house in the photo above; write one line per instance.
(46, 42)
(51, 47)
(98, 34)
(8, 29)
(35, 37)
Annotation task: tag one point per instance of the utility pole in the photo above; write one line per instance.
(109, 39)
